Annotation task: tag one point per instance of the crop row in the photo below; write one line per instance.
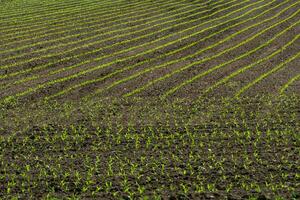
(275, 69)
(39, 6)
(89, 21)
(204, 39)
(186, 35)
(101, 32)
(193, 64)
(167, 36)
(22, 6)
(169, 19)
(243, 69)
(121, 43)
(65, 9)
(245, 55)
(180, 49)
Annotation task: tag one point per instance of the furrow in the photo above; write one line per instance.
(171, 20)
(192, 64)
(243, 69)
(95, 34)
(113, 45)
(198, 76)
(111, 16)
(38, 8)
(168, 54)
(62, 10)
(260, 78)
(99, 67)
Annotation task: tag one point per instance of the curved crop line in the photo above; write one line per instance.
(38, 8)
(80, 34)
(171, 20)
(82, 23)
(181, 49)
(241, 70)
(290, 82)
(116, 44)
(19, 29)
(189, 81)
(20, 7)
(168, 54)
(165, 55)
(130, 49)
(69, 21)
(200, 62)
(54, 72)
(25, 7)
(170, 62)
(17, 26)
(89, 32)
(168, 4)
(261, 77)
(62, 10)
(16, 15)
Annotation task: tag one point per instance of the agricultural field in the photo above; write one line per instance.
(152, 99)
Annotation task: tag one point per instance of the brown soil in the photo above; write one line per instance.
(7, 87)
